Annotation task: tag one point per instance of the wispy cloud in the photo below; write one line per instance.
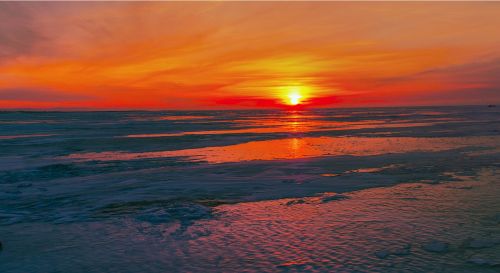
(36, 95)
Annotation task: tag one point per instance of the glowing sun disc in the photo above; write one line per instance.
(294, 98)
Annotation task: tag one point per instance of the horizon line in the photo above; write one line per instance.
(228, 109)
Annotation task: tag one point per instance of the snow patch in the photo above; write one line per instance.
(436, 246)
(477, 260)
(335, 197)
(398, 251)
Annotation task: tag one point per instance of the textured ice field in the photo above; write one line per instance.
(344, 190)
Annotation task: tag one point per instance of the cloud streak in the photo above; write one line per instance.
(34, 95)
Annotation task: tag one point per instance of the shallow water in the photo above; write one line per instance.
(209, 191)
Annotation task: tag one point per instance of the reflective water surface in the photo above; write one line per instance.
(326, 190)
(293, 148)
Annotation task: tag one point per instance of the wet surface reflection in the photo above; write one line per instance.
(24, 136)
(293, 148)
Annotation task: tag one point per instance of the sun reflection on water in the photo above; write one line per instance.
(300, 147)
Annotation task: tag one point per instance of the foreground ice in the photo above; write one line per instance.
(374, 230)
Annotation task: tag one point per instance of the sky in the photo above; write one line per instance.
(237, 55)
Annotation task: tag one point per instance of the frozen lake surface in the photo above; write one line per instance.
(341, 190)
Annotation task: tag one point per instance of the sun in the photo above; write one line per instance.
(294, 95)
(294, 98)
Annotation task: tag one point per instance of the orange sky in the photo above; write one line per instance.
(207, 55)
